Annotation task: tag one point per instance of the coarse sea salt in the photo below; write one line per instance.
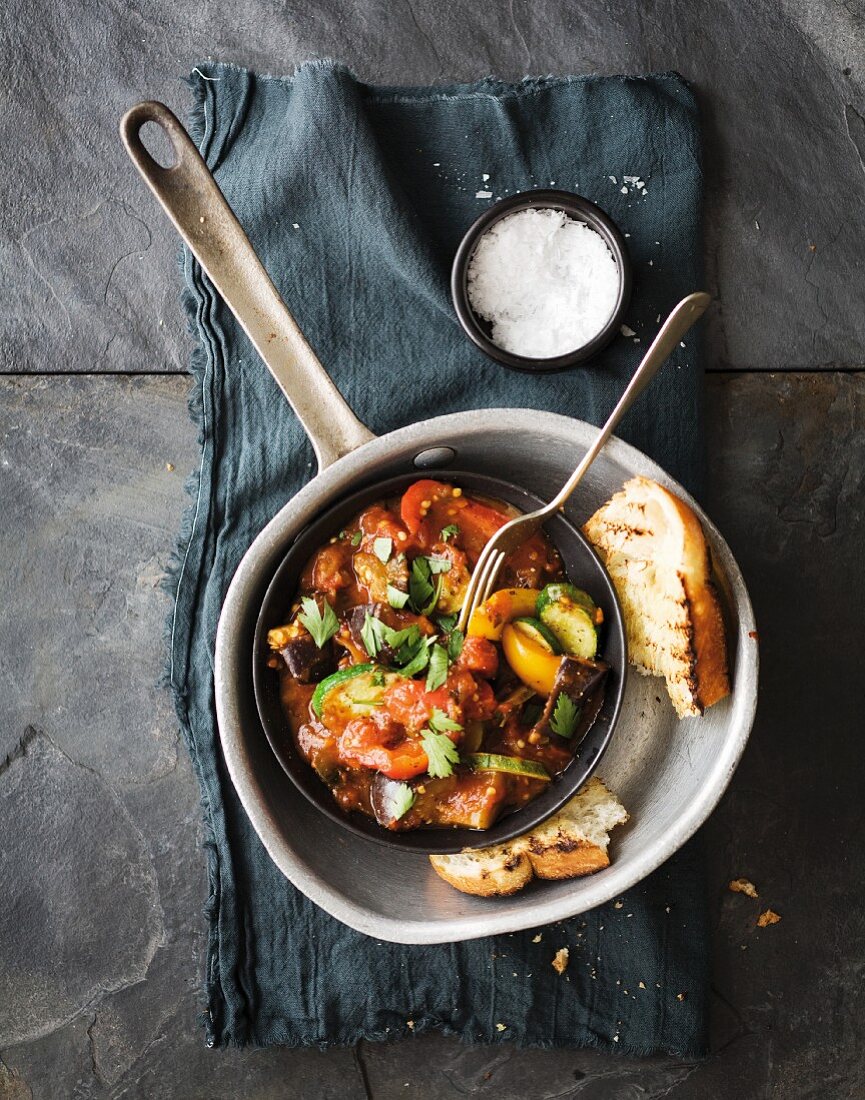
(547, 283)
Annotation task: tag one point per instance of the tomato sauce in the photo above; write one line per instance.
(403, 724)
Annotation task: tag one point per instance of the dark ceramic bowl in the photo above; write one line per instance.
(580, 209)
(582, 567)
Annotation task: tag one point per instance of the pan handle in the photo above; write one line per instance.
(190, 196)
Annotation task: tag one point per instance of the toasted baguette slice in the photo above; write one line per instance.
(657, 556)
(573, 842)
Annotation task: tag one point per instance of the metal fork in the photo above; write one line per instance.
(514, 533)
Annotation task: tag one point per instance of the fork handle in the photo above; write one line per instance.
(684, 315)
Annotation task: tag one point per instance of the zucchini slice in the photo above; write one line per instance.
(559, 589)
(562, 609)
(541, 634)
(512, 765)
(351, 692)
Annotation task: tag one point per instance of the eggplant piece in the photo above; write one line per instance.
(305, 661)
(582, 681)
(385, 799)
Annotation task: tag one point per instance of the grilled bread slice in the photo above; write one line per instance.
(571, 843)
(657, 556)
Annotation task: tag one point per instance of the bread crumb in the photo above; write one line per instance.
(410, 1025)
(170, 467)
(501, 1027)
(642, 985)
(537, 938)
(743, 886)
(560, 960)
(618, 904)
(769, 917)
(681, 996)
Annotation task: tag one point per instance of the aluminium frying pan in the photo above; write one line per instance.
(194, 203)
(669, 790)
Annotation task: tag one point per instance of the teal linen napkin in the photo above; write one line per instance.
(355, 198)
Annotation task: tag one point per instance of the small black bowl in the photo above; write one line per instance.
(579, 209)
(583, 568)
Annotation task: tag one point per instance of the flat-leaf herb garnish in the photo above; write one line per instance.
(455, 644)
(371, 634)
(356, 537)
(438, 668)
(447, 622)
(441, 753)
(566, 715)
(440, 723)
(383, 548)
(420, 660)
(322, 625)
(449, 532)
(420, 586)
(396, 597)
(402, 800)
(374, 634)
(423, 592)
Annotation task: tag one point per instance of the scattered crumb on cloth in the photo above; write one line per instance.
(768, 917)
(560, 960)
(743, 886)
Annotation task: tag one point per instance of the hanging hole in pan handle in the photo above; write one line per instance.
(172, 143)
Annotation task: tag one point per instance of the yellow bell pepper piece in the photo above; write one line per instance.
(490, 619)
(535, 666)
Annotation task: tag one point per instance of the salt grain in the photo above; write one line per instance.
(547, 283)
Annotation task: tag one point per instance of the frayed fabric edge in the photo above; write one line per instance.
(175, 632)
(586, 1040)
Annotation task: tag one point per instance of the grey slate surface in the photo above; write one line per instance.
(98, 982)
(101, 945)
(85, 257)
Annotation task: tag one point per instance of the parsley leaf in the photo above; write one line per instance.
(382, 548)
(420, 587)
(566, 715)
(401, 800)
(447, 622)
(372, 634)
(441, 753)
(395, 597)
(321, 625)
(455, 644)
(420, 660)
(377, 678)
(424, 594)
(449, 532)
(356, 537)
(438, 667)
(409, 635)
(440, 723)
(438, 565)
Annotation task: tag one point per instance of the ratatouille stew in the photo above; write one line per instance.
(405, 718)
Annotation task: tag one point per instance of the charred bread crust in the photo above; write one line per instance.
(688, 645)
(567, 859)
(500, 877)
(571, 843)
